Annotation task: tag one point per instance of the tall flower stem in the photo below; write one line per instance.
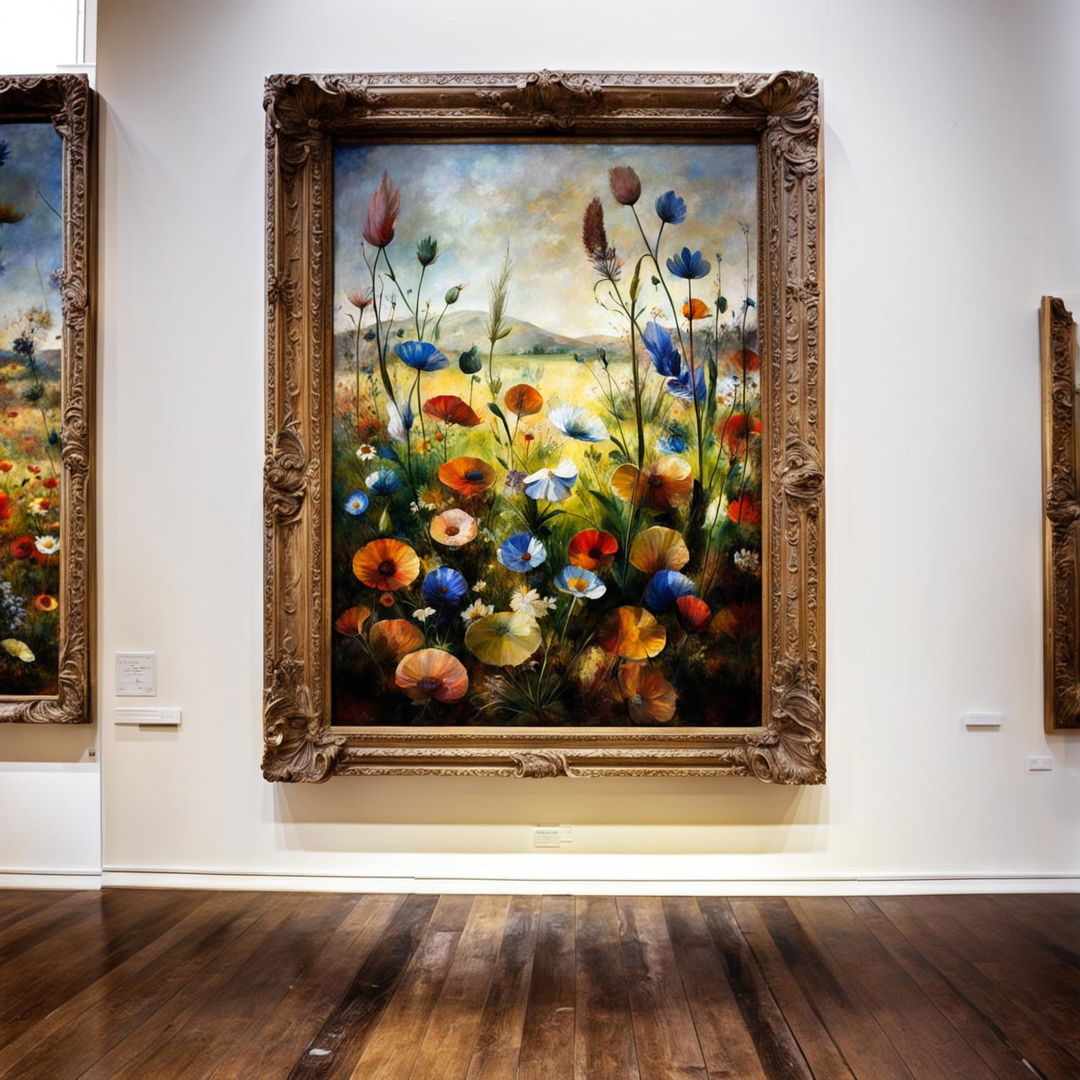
(416, 312)
(393, 278)
(359, 320)
(693, 385)
(654, 254)
(380, 344)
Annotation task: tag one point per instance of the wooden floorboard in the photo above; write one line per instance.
(186, 985)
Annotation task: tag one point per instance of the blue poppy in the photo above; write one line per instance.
(445, 587)
(578, 582)
(356, 503)
(658, 343)
(387, 452)
(689, 264)
(665, 587)
(421, 355)
(383, 482)
(672, 443)
(671, 209)
(680, 387)
(522, 552)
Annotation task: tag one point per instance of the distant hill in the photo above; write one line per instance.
(460, 330)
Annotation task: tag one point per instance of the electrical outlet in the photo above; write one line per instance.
(1040, 763)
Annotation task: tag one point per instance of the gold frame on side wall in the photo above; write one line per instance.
(1061, 518)
(67, 102)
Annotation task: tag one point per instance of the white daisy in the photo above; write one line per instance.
(47, 545)
(422, 614)
(531, 602)
(366, 452)
(476, 610)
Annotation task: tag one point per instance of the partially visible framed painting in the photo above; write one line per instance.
(544, 454)
(46, 389)
(1061, 517)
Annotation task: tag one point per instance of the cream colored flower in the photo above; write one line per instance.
(531, 602)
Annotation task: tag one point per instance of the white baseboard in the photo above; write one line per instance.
(871, 885)
(50, 879)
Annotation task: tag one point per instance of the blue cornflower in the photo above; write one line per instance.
(445, 587)
(665, 356)
(680, 387)
(522, 552)
(356, 503)
(383, 482)
(421, 355)
(671, 209)
(689, 264)
(665, 587)
(672, 443)
(5, 150)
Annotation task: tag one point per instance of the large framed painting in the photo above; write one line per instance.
(46, 388)
(1061, 517)
(544, 448)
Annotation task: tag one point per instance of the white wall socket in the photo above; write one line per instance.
(1040, 763)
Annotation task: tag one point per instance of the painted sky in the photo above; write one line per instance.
(31, 249)
(476, 198)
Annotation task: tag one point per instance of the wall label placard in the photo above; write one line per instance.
(136, 674)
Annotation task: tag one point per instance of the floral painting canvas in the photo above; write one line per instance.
(547, 431)
(31, 241)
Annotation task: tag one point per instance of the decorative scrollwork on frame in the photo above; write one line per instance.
(67, 102)
(305, 115)
(1061, 515)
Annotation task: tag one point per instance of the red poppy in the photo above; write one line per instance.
(13, 414)
(593, 550)
(50, 482)
(746, 511)
(6, 466)
(22, 547)
(35, 469)
(5, 507)
(735, 430)
(523, 400)
(467, 475)
(450, 409)
(734, 360)
(693, 612)
(45, 602)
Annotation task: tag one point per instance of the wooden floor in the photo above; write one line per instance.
(161, 983)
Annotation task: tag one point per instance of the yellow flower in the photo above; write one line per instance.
(505, 639)
(659, 548)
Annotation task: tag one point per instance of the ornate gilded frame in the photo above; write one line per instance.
(305, 115)
(68, 103)
(1061, 518)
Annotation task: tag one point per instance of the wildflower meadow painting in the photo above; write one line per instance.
(31, 251)
(547, 483)
(543, 476)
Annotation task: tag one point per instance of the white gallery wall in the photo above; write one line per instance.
(951, 167)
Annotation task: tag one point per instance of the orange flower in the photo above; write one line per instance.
(453, 528)
(649, 697)
(593, 550)
(386, 564)
(738, 621)
(694, 309)
(467, 475)
(351, 622)
(450, 409)
(658, 548)
(693, 612)
(746, 511)
(44, 602)
(733, 360)
(632, 632)
(663, 485)
(393, 638)
(432, 673)
(523, 400)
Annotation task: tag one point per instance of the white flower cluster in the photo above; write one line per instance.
(749, 562)
(532, 603)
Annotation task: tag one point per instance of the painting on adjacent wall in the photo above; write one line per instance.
(544, 470)
(44, 398)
